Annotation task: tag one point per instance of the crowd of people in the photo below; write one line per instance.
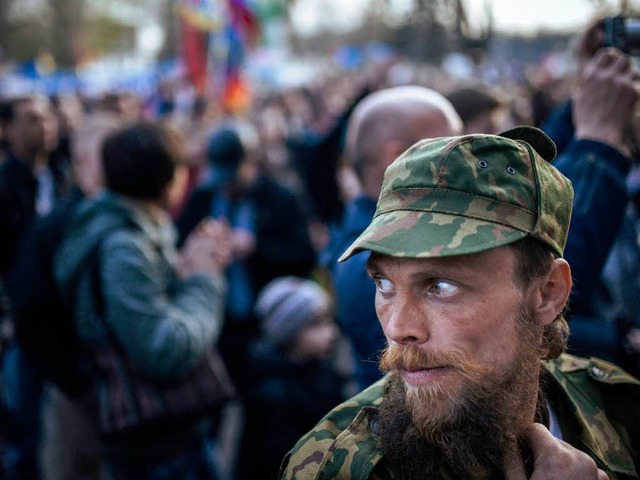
(176, 304)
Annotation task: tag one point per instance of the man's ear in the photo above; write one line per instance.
(552, 292)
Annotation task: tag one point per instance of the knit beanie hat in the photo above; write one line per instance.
(286, 305)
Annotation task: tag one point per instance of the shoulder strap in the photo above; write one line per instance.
(93, 263)
(583, 383)
(96, 283)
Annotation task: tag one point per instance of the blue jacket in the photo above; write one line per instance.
(355, 293)
(598, 173)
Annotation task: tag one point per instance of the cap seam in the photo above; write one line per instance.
(451, 190)
(379, 249)
(536, 179)
(456, 214)
(447, 150)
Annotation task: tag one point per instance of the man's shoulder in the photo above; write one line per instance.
(343, 439)
(592, 369)
(590, 382)
(602, 399)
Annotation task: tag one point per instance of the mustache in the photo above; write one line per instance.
(408, 357)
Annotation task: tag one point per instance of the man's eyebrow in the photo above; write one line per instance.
(372, 266)
(436, 269)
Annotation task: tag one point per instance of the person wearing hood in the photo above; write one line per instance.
(161, 307)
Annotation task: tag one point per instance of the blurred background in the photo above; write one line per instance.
(234, 48)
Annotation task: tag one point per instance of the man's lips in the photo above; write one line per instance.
(417, 376)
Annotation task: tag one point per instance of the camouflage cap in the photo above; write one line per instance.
(460, 195)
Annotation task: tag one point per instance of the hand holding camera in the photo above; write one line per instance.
(622, 33)
(618, 32)
(605, 98)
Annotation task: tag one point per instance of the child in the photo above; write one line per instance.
(293, 381)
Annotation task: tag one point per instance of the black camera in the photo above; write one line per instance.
(622, 33)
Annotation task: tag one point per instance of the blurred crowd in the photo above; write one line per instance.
(234, 221)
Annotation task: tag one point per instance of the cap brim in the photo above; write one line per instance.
(415, 234)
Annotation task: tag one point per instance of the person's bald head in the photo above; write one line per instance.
(387, 122)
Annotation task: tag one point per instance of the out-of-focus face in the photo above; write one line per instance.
(130, 107)
(34, 127)
(70, 114)
(86, 160)
(272, 126)
(317, 339)
(247, 170)
(87, 167)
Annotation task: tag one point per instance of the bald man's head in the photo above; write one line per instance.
(386, 123)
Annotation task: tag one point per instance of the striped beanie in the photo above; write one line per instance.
(287, 304)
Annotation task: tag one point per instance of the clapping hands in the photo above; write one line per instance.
(207, 250)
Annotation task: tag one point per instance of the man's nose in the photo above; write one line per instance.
(408, 323)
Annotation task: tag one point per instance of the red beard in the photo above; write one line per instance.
(473, 422)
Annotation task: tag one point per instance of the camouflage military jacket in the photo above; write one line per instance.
(597, 405)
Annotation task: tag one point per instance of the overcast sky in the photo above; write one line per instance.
(525, 16)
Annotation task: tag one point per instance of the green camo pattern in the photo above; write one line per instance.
(597, 405)
(460, 195)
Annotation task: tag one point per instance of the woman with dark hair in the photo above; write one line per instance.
(160, 310)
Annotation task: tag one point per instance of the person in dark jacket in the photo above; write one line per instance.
(293, 380)
(597, 156)
(382, 126)
(32, 180)
(269, 232)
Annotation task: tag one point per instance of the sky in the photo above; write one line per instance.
(510, 16)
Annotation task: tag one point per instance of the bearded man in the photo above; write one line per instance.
(466, 254)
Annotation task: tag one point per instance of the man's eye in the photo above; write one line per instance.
(442, 288)
(383, 285)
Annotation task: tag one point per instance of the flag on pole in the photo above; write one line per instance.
(244, 19)
(198, 18)
(215, 36)
(242, 30)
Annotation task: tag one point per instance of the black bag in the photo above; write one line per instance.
(129, 401)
